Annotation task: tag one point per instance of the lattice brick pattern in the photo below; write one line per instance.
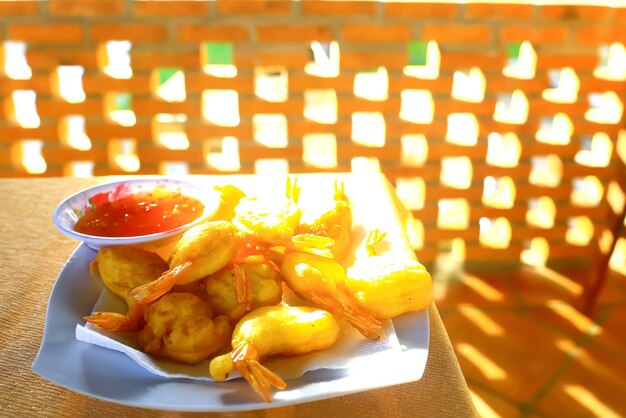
(496, 124)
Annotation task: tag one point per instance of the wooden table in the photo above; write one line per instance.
(32, 253)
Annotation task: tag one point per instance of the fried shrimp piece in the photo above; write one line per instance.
(270, 222)
(335, 222)
(201, 251)
(270, 331)
(181, 327)
(121, 269)
(320, 280)
(264, 289)
(388, 285)
(229, 199)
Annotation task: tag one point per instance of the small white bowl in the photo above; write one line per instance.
(71, 209)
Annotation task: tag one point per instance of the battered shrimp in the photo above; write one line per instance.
(388, 285)
(269, 331)
(229, 199)
(270, 223)
(180, 326)
(321, 280)
(201, 251)
(121, 269)
(264, 288)
(334, 223)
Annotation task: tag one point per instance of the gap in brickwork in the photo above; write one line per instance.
(536, 252)
(424, 60)
(113, 59)
(365, 165)
(414, 150)
(546, 170)
(556, 130)
(168, 131)
(469, 86)
(372, 85)
(494, 232)
(587, 191)
(453, 214)
(82, 169)
(499, 192)
(221, 107)
(417, 106)
(118, 108)
(72, 133)
(595, 151)
(320, 105)
(564, 86)
(174, 168)
(580, 231)
(222, 154)
(612, 64)
(168, 84)
(67, 83)
(26, 155)
(21, 109)
(462, 129)
(456, 172)
(511, 108)
(368, 129)
(217, 59)
(122, 154)
(270, 130)
(13, 59)
(271, 166)
(324, 59)
(521, 61)
(411, 191)
(271, 83)
(604, 108)
(541, 212)
(503, 150)
(320, 150)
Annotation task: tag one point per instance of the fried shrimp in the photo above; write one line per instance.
(264, 288)
(121, 269)
(270, 222)
(335, 222)
(270, 331)
(180, 326)
(321, 281)
(388, 285)
(201, 251)
(229, 199)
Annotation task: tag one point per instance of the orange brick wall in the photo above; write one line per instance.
(369, 35)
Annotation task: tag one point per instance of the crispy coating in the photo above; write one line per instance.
(335, 222)
(265, 289)
(388, 285)
(180, 326)
(201, 251)
(270, 331)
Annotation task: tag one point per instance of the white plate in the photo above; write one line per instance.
(112, 376)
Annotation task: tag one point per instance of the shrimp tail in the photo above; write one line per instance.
(115, 322)
(242, 286)
(340, 192)
(366, 324)
(373, 238)
(260, 377)
(292, 191)
(312, 244)
(150, 292)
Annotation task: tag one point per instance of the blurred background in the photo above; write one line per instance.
(500, 125)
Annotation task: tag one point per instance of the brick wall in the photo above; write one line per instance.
(416, 90)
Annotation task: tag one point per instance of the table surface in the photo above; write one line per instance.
(33, 252)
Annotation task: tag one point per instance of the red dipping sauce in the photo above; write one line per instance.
(142, 213)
